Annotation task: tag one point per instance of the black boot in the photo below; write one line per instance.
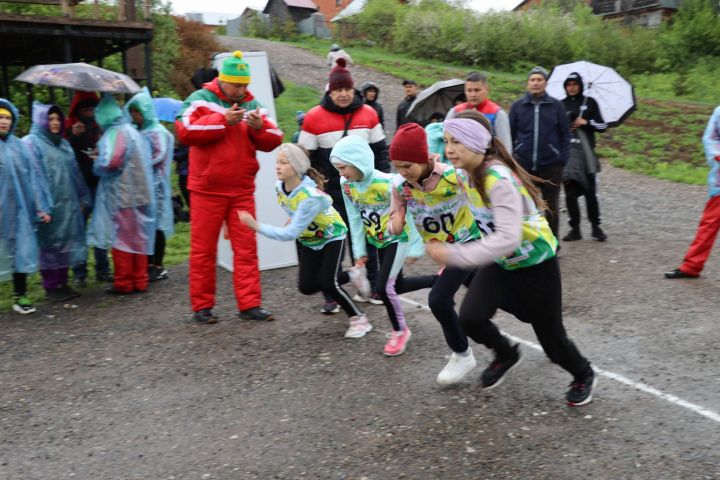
(598, 234)
(572, 235)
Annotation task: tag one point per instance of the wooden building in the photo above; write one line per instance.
(282, 11)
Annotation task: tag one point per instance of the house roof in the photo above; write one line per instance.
(301, 4)
(353, 8)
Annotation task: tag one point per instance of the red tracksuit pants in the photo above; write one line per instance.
(707, 231)
(207, 214)
(130, 270)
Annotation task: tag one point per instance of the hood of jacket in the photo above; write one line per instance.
(214, 87)
(109, 113)
(143, 103)
(80, 100)
(41, 125)
(4, 103)
(353, 150)
(574, 77)
(367, 86)
(328, 104)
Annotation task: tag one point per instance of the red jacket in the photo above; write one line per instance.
(222, 156)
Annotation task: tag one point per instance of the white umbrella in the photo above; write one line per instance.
(436, 98)
(79, 76)
(615, 95)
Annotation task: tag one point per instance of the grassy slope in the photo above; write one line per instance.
(178, 246)
(661, 138)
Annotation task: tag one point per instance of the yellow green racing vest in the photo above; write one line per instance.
(444, 213)
(328, 226)
(538, 242)
(374, 207)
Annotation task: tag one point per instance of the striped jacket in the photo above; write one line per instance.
(326, 124)
(222, 156)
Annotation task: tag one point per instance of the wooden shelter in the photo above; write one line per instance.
(29, 39)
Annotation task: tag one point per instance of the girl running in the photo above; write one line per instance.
(429, 190)
(367, 193)
(518, 270)
(318, 228)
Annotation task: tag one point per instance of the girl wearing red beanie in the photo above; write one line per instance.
(430, 191)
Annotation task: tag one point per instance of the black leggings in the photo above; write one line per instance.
(389, 288)
(19, 284)
(533, 295)
(320, 271)
(442, 303)
(159, 255)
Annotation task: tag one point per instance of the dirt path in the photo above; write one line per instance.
(129, 388)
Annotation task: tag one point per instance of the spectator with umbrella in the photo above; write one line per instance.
(83, 133)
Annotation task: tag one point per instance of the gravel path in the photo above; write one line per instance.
(129, 388)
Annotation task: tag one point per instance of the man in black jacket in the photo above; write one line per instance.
(585, 119)
(370, 93)
(411, 90)
(540, 135)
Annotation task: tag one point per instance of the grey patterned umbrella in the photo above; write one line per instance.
(79, 76)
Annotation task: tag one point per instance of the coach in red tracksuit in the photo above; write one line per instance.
(224, 126)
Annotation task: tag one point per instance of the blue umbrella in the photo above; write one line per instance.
(166, 108)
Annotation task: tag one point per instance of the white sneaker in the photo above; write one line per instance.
(359, 298)
(458, 366)
(359, 326)
(358, 277)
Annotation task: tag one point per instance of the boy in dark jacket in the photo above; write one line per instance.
(540, 135)
(371, 92)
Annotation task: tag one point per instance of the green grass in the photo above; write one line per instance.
(178, 246)
(661, 138)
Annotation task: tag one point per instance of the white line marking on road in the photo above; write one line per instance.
(700, 410)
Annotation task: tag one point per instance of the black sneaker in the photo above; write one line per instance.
(205, 316)
(580, 392)
(598, 234)
(114, 291)
(256, 313)
(677, 273)
(161, 274)
(105, 277)
(57, 294)
(573, 235)
(70, 291)
(495, 373)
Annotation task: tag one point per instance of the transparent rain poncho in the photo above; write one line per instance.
(20, 202)
(124, 213)
(62, 241)
(162, 145)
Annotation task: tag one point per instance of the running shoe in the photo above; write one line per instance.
(457, 367)
(329, 308)
(23, 306)
(580, 392)
(205, 316)
(359, 326)
(375, 299)
(397, 342)
(256, 313)
(495, 373)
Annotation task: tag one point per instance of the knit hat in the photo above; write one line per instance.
(235, 69)
(5, 111)
(340, 76)
(540, 71)
(297, 158)
(410, 144)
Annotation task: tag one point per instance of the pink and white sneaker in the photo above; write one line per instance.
(397, 342)
(359, 326)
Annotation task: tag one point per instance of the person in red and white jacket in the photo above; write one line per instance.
(224, 126)
(342, 112)
(476, 92)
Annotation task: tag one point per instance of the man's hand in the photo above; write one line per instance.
(234, 114)
(78, 128)
(248, 220)
(44, 217)
(437, 251)
(579, 122)
(255, 120)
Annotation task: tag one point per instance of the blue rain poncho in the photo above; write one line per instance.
(20, 203)
(162, 144)
(124, 213)
(62, 240)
